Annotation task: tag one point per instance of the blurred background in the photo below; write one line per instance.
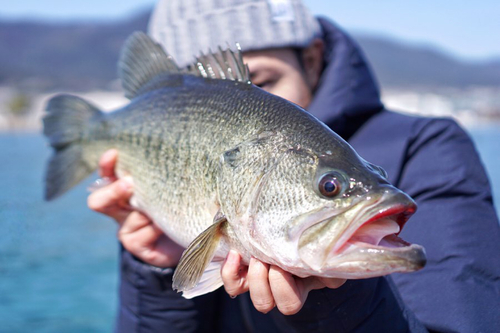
(58, 260)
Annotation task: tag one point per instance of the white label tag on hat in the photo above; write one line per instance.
(281, 10)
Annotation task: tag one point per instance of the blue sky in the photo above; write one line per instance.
(460, 27)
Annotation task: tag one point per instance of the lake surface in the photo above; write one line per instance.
(58, 260)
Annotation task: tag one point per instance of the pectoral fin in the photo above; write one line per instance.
(209, 281)
(195, 262)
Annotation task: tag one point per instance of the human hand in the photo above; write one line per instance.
(270, 285)
(137, 233)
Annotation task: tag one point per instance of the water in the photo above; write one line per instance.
(58, 267)
(58, 260)
(487, 140)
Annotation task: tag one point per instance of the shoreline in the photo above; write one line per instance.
(478, 108)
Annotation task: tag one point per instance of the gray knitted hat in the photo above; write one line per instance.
(187, 27)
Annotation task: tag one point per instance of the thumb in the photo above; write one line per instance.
(234, 274)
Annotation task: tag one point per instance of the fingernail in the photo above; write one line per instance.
(125, 185)
(99, 183)
(258, 265)
(128, 179)
(255, 263)
(109, 154)
(233, 257)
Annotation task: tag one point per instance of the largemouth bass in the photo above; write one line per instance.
(220, 164)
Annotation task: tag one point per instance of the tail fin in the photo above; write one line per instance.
(66, 121)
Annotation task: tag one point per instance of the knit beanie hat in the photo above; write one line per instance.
(187, 27)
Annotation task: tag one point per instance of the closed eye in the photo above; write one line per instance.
(263, 85)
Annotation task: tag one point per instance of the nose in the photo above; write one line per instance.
(399, 201)
(394, 194)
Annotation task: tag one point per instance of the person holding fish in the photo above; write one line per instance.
(314, 64)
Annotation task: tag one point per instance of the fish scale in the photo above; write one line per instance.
(222, 164)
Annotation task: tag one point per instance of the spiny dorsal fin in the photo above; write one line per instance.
(223, 64)
(141, 60)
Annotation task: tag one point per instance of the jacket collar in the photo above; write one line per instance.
(347, 94)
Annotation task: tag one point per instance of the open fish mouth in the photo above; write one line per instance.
(369, 246)
(379, 231)
(373, 247)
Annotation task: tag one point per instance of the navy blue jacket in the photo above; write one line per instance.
(435, 162)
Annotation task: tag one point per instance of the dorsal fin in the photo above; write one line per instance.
(223, 64)
(141, 60)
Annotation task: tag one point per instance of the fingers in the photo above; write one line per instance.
(137, 222)
(107, 163)
(141, 237)
(332, 283)
(290, 292)
(234, 275)
(269, 286)
(112, 200)
(289, 297)
(260, 289)
(138, 234)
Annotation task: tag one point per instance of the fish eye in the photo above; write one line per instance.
(329, 185)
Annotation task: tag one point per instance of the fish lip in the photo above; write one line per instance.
(348, 257)
(399, 212)
(367, 262)
(394, 255)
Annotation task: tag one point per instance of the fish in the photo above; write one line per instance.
(220, 164)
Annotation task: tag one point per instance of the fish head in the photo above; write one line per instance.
(353, 230)
(325, 213)
(356, 235)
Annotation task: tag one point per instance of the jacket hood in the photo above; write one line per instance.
(347, 94)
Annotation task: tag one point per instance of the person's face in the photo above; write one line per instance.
(279, 72)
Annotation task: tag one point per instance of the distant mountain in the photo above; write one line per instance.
(397, 63)
(83, 55)
(78, 56)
